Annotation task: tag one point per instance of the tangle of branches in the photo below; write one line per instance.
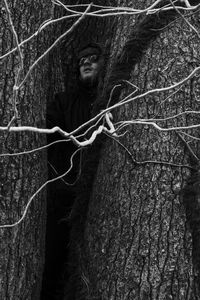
(108, 127)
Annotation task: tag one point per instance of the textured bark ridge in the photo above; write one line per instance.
(22, 247)
(190, 197)
(135, 242)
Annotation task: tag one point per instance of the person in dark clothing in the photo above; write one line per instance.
(68, 110)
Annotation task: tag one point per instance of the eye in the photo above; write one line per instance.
(82, 60)
(93, 58)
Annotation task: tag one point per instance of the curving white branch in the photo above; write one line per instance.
(37, 192)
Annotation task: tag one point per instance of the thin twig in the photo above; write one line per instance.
(172, 117)
(185, 20)
(20, 68)
(124, 11)
(41, 27)
(190, 136)
(188, 147)
(35, 149)
(53, 45)
(149, 161)
(168, 129)
(38, 191)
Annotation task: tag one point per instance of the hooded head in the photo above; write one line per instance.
(90, 63)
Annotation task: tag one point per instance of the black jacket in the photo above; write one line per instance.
(68, 110)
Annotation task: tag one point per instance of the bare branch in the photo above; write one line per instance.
(34, 150)
(21, 66)
(190, 136)
(109, 11)
(42, 27)
(150, 161)
(188, 147)
(52, 46)
(38, 191)
(183, 17)
(171, 117)
(125, 123)
(14, 32)
(106, 11)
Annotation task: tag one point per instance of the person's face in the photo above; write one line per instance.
(89, 67)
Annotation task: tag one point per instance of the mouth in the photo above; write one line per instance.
(87, 69)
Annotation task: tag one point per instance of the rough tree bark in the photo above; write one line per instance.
(22, 246)
(137, 243)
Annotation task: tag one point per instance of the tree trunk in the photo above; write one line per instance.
(137, 243)
(22, 246)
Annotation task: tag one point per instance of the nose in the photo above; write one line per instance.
(87, 61)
